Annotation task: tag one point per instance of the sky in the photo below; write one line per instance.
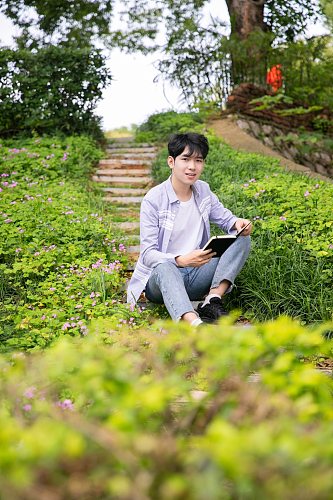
(133, 94)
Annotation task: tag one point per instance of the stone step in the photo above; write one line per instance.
(123, 171)
(130, 145)
(131, 212)
(133, 250)
(128, 139)
(120, 163)
(128, 226)
(131, 150)
(124, 191)
(129, 155)
(131, 265)
(132, 237)
(123, 200)
(127, 181)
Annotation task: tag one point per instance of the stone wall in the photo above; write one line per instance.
(292, 135)
(311, 154)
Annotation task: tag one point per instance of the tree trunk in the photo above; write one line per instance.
(246, 16)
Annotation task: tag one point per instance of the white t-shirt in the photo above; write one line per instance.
(187, 230)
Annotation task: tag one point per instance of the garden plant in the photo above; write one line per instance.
(102, 400)
(290, 269)
(61, 257)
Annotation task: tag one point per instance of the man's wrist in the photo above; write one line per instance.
(178, 261)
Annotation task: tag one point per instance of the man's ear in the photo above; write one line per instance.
(171, 161)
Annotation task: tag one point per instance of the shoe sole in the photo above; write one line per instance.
(208, 320)
(212, 320)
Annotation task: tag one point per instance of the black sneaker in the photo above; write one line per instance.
(212, 311)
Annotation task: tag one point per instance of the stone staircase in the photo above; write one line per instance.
(125, 177)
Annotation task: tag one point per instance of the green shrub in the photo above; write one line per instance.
(160, 126)
(54, 89)
(290, 267)
(307, 67)
(117, 415)
(61, 259)
(111, 410)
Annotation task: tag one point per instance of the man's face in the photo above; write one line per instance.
(186, 169)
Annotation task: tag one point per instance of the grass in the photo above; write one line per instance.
(89, 415)
(290, 269)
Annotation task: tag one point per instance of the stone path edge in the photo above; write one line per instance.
(228, 130)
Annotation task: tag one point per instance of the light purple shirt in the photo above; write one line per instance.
(159, 208)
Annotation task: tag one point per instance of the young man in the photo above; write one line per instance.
(174, 226)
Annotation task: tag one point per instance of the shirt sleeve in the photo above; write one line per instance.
(149, 237)
(221, 216)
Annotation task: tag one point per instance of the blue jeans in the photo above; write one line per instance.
(177, 286)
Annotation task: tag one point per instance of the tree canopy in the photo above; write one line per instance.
(47, 21)
(142, 21)
(327, 6)
(202, 54)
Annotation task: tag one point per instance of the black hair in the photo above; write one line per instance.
(197, 144)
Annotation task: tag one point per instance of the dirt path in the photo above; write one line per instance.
(235, 137)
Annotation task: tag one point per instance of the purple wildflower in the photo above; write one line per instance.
(84, 329)
(66, 404)
(29, 393)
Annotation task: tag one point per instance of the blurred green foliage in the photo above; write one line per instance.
(170, 412)
(120, 407)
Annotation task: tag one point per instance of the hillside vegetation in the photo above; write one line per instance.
(99, 399)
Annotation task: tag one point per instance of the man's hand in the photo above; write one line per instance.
(240, 223)
(197, 258)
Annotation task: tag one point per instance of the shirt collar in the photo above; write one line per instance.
(171, 193)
